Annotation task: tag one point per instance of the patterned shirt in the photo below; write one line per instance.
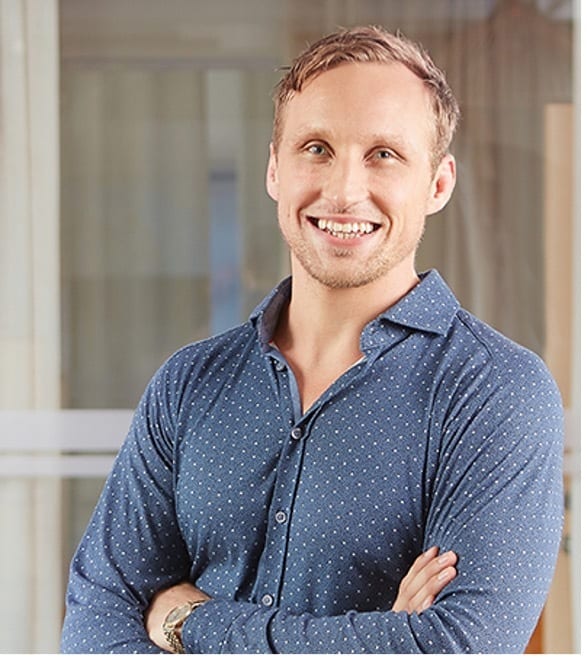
(302, 525)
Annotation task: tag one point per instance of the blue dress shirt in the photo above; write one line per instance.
(302, 525)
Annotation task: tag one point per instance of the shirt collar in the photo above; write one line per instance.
(266, 314)
(429, 307)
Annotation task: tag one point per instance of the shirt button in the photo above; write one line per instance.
(280, 366)
(267, 600)
(296, 433)
(281, 516)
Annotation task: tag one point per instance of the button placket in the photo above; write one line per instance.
(274, 556)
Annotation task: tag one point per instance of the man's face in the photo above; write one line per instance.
(352, 174)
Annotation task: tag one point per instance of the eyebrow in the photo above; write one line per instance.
(391, 139)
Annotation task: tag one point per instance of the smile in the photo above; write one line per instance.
(345, 230)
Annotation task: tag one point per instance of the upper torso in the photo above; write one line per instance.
(324, 511)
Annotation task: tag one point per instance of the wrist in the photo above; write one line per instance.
(174, 621)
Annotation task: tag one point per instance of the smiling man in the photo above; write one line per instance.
(306, 481)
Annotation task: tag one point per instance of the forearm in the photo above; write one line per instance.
(103, 613)
(221, 626)
(427, 577)
(229, 627)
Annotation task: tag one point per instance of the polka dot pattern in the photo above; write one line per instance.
(301, 526)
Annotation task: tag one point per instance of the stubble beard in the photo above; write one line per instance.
(349, 274)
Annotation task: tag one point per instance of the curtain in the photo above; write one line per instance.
(31, 566)
(265, 258)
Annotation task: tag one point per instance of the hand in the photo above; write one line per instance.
(425, 579)
(162, 604)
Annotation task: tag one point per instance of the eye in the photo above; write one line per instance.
(384, 154)
(316, 149)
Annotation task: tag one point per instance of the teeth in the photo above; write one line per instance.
(346, 229)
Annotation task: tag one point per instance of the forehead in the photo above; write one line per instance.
(363, 98)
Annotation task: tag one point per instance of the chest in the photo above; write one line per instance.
(353, 474)
(275, 501)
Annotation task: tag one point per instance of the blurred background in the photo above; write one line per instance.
(133, 219)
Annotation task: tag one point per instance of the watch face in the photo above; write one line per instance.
(178, 614)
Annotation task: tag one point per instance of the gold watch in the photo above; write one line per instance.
(174, 622)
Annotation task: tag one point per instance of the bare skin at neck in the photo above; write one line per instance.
(319, 332)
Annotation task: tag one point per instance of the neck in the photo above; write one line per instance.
(337, 316)
(319, 332)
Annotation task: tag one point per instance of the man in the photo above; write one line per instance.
(279, 481)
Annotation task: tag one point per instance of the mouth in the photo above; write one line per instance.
(344, 230)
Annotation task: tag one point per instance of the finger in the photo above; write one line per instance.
(434, 575)
(427, 595)
(428, 575)
(424, 571)
(407, 587)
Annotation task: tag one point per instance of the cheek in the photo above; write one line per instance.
(299, 188)
(405, 195)
(286, 214)
(391, 196)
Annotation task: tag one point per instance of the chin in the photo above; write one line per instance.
(345, 281)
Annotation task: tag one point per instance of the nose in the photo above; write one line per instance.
(345, 182)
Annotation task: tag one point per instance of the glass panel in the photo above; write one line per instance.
(134, 226)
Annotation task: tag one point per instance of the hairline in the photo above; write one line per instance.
(435, 155)
(372, 44)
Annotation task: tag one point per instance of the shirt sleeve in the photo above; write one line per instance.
(496, 501)
(133, 546)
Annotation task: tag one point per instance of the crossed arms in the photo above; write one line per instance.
(425, 579)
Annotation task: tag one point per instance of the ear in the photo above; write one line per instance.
(271, 178)
(442, 185)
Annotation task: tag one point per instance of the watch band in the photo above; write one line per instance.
(174, 621)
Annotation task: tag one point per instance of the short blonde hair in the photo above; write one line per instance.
(371, 44)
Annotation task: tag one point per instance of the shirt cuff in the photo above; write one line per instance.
(220, 626)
